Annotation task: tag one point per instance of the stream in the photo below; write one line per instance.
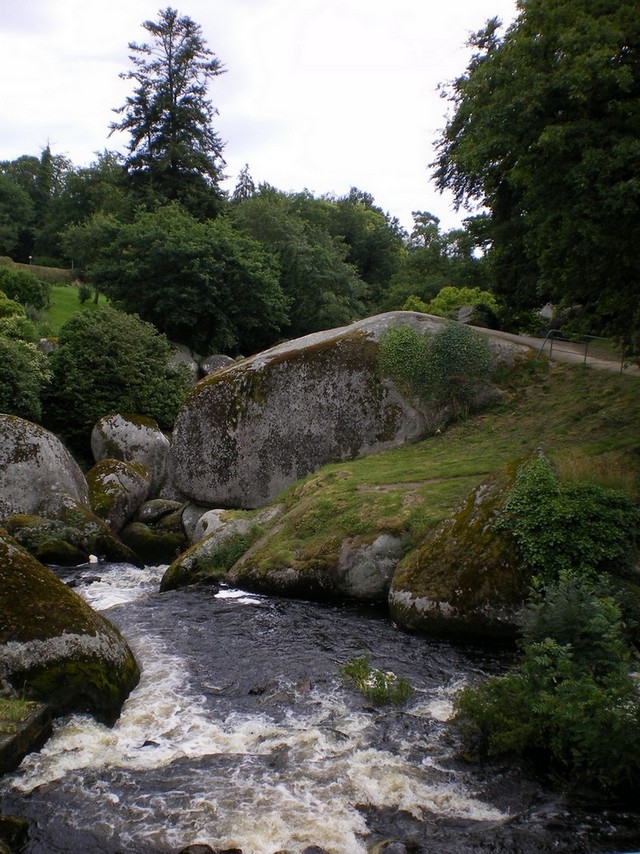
(243, 735)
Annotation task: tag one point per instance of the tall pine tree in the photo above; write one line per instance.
(174, 151)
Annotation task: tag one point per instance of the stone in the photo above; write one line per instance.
(466, 578)
(364, 571)
(133, 438)
(54, 648)
(117, 489)
(24, 734)
(215, 363)
(34, 465)
(249, 430)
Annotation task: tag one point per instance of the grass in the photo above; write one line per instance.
(376, 686)
(12, 713)
(64, 302)
(584, 420)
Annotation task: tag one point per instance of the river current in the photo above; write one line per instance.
(243, 735)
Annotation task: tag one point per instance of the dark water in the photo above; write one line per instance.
(242, 734)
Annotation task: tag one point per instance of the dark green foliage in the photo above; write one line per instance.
(448, 368)
(571, 705)
(107, 361)
(23, 373)
(201, 283)
(581, 527)
(377, 686)
(23, 287)
(174, 152)
(544, 133)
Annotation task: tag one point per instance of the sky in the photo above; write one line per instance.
(320, 95)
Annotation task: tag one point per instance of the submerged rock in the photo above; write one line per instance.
(466, 577)
(55, 648)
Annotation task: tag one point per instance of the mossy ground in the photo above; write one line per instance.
(585, 420)
(13, 713)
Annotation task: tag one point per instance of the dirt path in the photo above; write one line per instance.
(566, 351)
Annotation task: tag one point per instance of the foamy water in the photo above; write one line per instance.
(180, 767)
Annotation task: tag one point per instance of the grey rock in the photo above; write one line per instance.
(133, 438)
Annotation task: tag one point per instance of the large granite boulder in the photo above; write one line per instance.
(466, 578)
(55, 648)
(253, 428)
(34, 466)
(133, 438)
(117, 489)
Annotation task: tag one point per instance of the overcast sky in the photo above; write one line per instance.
(318, 94)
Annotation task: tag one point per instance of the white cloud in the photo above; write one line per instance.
(323, 94)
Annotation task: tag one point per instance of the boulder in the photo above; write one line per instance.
(215, 363)
(133, 438)
(157, 540)
(229, 536)
(53, 647)
(249, 430)
(34, 465)
(117, 489)
(364, 570)
(466, 578)
(67, 533)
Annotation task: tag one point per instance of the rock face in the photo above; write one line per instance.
(466, 577)
(34, 465)
(53, 647)
(253, 428)
(132, 438)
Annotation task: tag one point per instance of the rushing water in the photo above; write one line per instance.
(242, 735)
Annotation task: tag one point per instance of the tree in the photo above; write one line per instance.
(544, 133)
(201, 283)
(107, 361)
(174, 152)
(323, 289)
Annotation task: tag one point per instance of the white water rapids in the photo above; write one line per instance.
(182, 765)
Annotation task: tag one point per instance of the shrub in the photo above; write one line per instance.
(450, 299)
(570, 706)
(107, 361)
(23, 287)
(448, 368)
(377, 686)
(23, 374)
(570, 526)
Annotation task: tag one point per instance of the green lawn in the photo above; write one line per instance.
(64, 302)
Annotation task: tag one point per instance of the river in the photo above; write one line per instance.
(243, 735)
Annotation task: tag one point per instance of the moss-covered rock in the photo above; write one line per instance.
(117, 489)
(34, 465)
(155, 544)
(132, 438)
(212, 556)
(152, 511)
(53, 646)
(24, 727)
(67, 534)
(466, 577)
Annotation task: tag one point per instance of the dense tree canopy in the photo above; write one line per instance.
(201, 283)
(545, 133)
(174, 151)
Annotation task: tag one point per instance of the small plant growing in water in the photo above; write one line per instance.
(375, 685)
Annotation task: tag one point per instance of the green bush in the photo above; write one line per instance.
(573, 526)
(107, 361)
(24, 287)
(23, 374)
(377, 686)
(571, 705)
(448, 368)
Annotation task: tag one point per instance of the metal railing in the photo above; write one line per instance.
(579, 346)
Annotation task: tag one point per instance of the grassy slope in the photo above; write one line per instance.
(584, 419)
(63, 303)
